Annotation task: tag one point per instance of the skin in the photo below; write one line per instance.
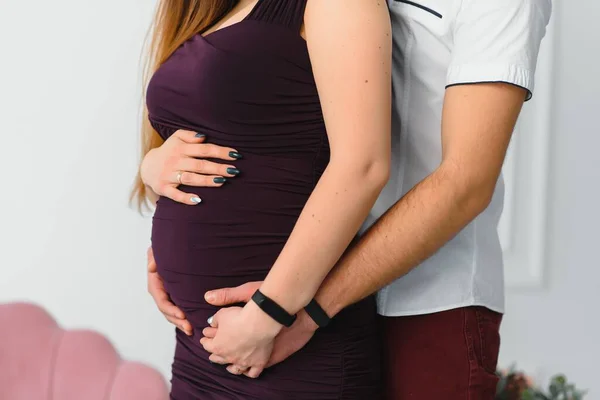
(356, 99)
(355, 96)
(478, 121)
(184, 152)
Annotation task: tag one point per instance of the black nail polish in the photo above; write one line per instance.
(233, 171)
(219, 179)
(200, 135)
(234, 154)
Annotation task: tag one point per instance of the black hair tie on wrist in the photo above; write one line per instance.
(273, 309)
(316, 312)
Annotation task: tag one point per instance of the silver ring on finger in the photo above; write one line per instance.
(179, 175)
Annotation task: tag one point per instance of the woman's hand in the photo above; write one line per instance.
(157, 290)
(244, 338)
(287, 342)
(180, 161)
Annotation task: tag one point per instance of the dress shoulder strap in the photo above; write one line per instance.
(289, 13)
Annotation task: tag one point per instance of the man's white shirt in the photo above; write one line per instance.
(440, 43)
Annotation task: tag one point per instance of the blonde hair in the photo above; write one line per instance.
(175, 22)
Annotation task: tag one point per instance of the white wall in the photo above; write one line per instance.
(557, 328)
(69, 97)
(69, 100)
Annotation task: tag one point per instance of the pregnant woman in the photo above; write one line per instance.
(300, 92)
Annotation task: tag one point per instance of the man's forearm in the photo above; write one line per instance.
(411, 231)
(477, 124)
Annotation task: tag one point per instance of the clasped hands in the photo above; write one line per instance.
(246, 339)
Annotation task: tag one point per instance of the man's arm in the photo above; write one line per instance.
(477, 124)
(478, 121)
(493, 41)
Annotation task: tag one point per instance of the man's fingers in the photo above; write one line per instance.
(226, 296)
(190, 136)
(253, 372)
(205, 167)
(181, 197)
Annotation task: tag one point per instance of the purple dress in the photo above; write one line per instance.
(250, 86)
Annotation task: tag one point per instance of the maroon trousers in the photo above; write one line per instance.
(450, 355)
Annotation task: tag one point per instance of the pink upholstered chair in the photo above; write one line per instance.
(41, 361)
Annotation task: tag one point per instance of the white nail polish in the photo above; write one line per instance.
(210, 320)
(196, 200)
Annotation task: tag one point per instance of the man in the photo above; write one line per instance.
(462, 70)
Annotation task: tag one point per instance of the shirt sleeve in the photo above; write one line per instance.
(498, 41)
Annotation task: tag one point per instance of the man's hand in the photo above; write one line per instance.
(157, 290)
(289, 340)
(292, 339)
(228, 296)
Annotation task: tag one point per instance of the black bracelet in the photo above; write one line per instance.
(316, 312)
(273, 309)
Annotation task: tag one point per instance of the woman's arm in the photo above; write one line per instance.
(349, 42)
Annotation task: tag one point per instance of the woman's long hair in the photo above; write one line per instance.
(175, 22)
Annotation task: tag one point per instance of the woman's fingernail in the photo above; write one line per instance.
(209, 296)
(196, 200)
(219, 179)
(200, 135)
(235, 154)
(210, 320)
(233, 171)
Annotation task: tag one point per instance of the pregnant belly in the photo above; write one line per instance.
(194, 257)
(190, 262)
(234, 236)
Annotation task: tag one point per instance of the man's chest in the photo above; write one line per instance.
(423, 34)
(422, 51)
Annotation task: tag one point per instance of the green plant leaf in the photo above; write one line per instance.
(561, 380)
(559, 387)
(528, 395)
